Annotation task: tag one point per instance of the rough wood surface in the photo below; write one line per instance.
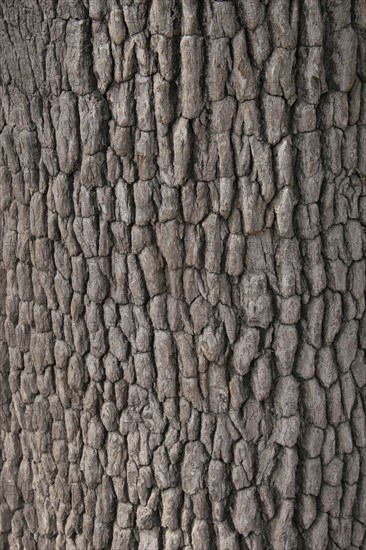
(182, 274)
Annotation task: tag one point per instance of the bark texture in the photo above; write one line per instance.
(182, 297)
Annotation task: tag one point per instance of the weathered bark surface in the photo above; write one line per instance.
(183, 326)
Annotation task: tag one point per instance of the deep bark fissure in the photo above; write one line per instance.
(182, 295)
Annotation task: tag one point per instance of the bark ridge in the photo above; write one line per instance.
(182, 274)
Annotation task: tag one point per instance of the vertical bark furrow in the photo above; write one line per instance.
(182, 274)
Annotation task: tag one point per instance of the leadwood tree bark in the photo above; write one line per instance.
(183, 327)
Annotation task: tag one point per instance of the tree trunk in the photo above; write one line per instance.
(182, 295)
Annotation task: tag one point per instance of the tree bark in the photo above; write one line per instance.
(182, 297)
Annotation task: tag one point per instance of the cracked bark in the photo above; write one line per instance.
(182, 296)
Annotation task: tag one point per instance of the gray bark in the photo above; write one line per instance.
(182, 297)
